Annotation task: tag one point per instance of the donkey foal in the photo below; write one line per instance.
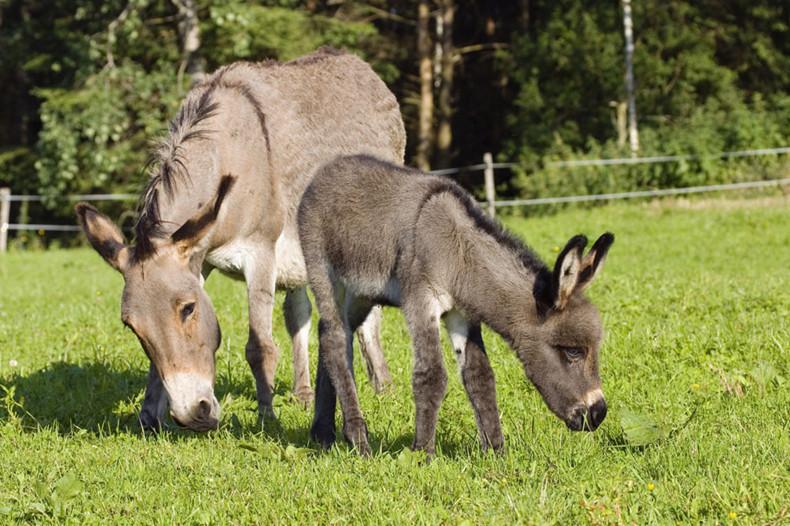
(375, 233)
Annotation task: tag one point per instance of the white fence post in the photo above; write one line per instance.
(488, 161)
(5, 212)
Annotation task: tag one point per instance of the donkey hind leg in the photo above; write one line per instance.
(262, 353)
(477, 377)
(152, 413)
(296, 310)
(369, 336)
(429, 378)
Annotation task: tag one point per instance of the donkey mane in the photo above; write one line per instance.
(168, 162)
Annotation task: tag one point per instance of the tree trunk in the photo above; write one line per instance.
(424, 45)
(189, 35)
(444, 140)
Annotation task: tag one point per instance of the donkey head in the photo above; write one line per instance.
(165, 305)
(560, 355)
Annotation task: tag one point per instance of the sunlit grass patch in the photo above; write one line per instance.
(696, 307)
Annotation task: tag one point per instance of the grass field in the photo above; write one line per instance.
(696, 304)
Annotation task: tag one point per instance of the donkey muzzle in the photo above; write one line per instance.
(192, 401)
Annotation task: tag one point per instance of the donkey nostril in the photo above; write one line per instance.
(203, 409)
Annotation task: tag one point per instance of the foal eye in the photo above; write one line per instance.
(572, 353)
(186, 310)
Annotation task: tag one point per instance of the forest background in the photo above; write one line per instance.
(87, 85)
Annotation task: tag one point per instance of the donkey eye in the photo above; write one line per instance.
(186, 310)
(572, 353)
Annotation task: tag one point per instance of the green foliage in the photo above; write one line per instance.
(695, 95)
(97, 137)
(640, 429)
(696, 309)
(240, 30)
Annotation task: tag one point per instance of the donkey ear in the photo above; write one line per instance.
(567, 270)
(103, 236)
(191, 232)
(593, 261)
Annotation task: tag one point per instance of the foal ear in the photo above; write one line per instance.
(103, 236)
(190, 233)
(567, 270)
(593, 261)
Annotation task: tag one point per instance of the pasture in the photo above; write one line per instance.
(696, 305)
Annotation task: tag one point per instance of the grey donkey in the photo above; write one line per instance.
(373, 233)
(224, 193)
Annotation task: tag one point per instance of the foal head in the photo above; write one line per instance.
(560, 353)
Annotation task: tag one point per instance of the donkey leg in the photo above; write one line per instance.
(429, 378)
(369, 336)
(297, 320)
(152, 412)
(477, 377)
(261, 351)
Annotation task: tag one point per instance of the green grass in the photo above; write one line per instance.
(697, 311)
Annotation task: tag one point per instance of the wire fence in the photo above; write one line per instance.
(487, 167)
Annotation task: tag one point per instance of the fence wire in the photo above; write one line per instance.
(488, 167)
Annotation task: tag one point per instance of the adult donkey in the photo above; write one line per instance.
(224, 194)
(421, 243)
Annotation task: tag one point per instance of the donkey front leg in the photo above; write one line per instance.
(261, 351)
(152, 412)
(297, 310)
(369, 336)
(477, 377)
(429, 379)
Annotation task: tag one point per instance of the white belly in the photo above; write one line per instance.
(232, 258)
(291, 270)
(239, 258)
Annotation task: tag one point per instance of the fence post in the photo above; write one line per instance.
(488, 161)
(5, 212)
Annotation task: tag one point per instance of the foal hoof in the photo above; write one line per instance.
(323, 435)
(266, 414)
(356, 434)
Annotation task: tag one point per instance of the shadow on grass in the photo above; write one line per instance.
(69, 397)
(102, 399)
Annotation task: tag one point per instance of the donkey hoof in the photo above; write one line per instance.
(383, 385)
(149, 422)
(305, 396)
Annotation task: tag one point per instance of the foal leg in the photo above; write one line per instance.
(261, 351)
(333, 356)
(296, 310)
(369, 336)
(477, 377)
(429, 378)
(152, 413)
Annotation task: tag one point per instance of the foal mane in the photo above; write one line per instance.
(490, 226)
